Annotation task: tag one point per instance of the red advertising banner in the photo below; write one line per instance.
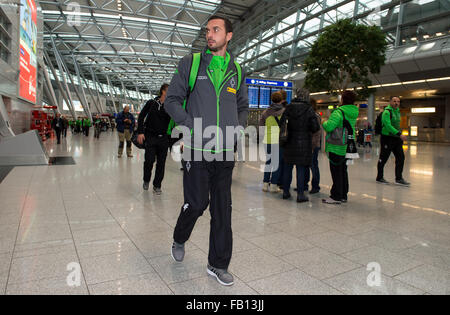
(28, 50)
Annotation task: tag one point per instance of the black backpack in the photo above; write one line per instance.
(379, 122)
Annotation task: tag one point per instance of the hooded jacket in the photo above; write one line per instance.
(391, 122)
(337, 120)
(219, 107)
(153, 119)
(302, 123)
(272, 131)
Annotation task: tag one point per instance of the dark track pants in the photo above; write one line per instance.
(388, 145)
(58, 135)
(204, 183)
(155, 150)
(338, 169)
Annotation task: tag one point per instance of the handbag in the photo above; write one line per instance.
(283, 139)
(135, 141)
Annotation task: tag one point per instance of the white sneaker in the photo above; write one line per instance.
(275, 189)
(265, 187)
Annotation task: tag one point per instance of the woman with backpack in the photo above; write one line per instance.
(337, 152)
(270, 118)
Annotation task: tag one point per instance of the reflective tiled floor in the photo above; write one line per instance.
(94, 219)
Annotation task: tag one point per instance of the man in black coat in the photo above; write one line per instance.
(153, 122)
(58, 125)
(301, 124)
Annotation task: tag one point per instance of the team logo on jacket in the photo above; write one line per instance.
(233, 83)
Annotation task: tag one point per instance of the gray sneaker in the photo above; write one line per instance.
(157, 191)
(177, 252)
(145, 186)
(222, 275)
(382, 181)
(402, 182)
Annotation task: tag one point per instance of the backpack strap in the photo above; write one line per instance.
(193, 73)
(196, 58)
(239, 72)
(346, 123)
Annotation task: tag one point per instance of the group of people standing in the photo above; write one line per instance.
(293, 132)
(298, 125)
(80, 125)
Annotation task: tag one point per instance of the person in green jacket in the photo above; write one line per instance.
(79, 124)
(97, 127)
(392, 141)
(86, 125)
(336, 153)
(221, 101)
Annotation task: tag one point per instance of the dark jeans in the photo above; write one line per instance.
(58, 135)
(208, 183)
(338, 169)
(155, 150)
(97, 130)
(282, 168)
(272, 172)
(301, 175)
(314, 170)
(388, 145)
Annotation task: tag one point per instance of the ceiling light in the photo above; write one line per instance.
(423, 110)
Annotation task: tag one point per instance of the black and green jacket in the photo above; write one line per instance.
(215, 98)
(391, 122)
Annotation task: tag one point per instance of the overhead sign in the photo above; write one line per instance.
(282, 84)
(421, 110)
(27, 51)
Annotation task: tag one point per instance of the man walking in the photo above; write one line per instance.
(97, 126)
(392, 141)
(219, 98)
(153, 122)
(125, 126)
(58, 125)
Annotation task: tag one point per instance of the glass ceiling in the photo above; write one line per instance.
(296, 29)
(134, 42)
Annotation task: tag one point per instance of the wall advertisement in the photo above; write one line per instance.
(28, 50)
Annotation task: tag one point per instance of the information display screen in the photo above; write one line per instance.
(260, 91)
(289, 95)
(264, 97)
(253, 96)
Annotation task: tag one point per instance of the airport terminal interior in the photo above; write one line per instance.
(75, 219)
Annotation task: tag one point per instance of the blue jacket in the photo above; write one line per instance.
(121, 125)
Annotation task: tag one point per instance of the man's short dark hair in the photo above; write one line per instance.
(228, 25)
(163, 87)
(390, 98)
(348, 98)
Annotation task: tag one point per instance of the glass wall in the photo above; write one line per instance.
(290, 37)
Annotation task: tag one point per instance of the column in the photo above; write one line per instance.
(371, 110)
